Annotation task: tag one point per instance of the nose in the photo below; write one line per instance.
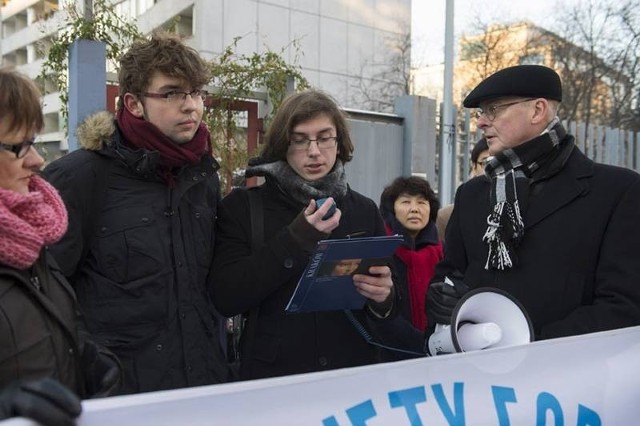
(482, 122)
(190, 103)
(33, 159)
(313, 149)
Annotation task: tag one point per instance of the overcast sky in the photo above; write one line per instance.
(428, 17)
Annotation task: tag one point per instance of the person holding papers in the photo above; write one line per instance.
(303, 160)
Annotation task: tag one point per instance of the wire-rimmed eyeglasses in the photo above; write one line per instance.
(178, 95)
(492, 110)
(19, 149)
(303, 143)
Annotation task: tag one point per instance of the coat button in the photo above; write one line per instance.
(159, 347)
(323, 361)
(288, 263)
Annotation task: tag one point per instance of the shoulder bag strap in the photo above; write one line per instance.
(247, 322)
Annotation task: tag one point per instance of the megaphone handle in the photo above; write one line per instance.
(434, 342)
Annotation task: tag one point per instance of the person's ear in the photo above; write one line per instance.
(540, 111)
(133, 105)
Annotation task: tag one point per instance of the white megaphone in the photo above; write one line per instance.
(483, 318)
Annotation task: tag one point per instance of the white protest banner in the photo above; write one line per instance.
(588, 380)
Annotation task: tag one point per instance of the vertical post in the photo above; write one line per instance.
(87, 83)
(88, 10)
(636, 143)
(419, 145)
(466, 157)
(448, 129)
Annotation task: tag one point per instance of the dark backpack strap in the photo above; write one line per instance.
(257, 219)
(245, 325)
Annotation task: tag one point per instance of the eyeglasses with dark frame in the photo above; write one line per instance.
(492, 111)
(303, 143)
(178, 95)
(19, 149)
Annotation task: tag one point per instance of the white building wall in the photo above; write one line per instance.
(336, 37)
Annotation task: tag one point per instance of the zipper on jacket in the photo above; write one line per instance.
(169, 211)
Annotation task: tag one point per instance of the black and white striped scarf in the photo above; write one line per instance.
(510, 171)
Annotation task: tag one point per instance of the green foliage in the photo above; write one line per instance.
(238, 77)
(234, 77)
(104, 25)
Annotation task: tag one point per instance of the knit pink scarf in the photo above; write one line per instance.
(29, 221)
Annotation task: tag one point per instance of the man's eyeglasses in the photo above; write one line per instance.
(483, 162)
(303, 144)
(178, 95)
(19, 149)
(492, 111)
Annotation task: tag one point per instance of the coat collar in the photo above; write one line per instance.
(561, 189)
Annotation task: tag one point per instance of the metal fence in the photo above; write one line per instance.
(392, 145)
(607, 145)
(602, 144)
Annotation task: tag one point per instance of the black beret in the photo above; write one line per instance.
(521, 80)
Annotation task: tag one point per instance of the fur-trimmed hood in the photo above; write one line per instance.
(96, 130)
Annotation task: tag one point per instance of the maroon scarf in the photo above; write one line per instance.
(140, 133)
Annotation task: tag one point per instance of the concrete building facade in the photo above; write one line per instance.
(335, 37)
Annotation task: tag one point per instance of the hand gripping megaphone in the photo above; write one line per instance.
(483, 318)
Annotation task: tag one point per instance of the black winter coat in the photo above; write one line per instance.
(38, 319)
(579, 260)
(141, 278)
(244, 281)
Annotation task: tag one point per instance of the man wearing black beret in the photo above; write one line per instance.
(545, 223)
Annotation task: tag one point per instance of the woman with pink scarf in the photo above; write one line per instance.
(45, 366)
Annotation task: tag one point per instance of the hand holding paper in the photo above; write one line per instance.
(325, 285)
(376, 285)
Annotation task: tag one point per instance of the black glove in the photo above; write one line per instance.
(44, 400)
(102, 370)
(442, 298)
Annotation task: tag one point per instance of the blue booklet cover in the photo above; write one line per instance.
(327, 282)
